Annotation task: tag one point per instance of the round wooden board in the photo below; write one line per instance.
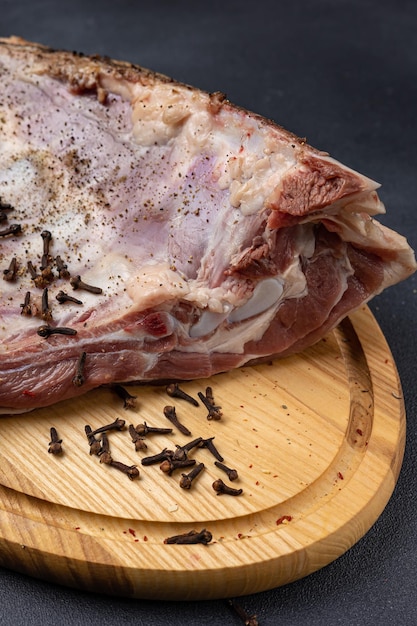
(317, 439)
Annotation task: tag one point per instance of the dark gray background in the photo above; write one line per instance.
(343, 74)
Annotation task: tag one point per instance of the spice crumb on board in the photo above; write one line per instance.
(204, 536)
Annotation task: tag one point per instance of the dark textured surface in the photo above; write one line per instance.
(343, 74)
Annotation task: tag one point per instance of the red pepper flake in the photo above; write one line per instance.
(145, 538)
(28, 393)
(340, 475)
(359, 431)
(132, 532)
(77, 528)
(250, 466)
(136, 540)
(239, 535)
(284, 518)
(256, 446)
(257, 482)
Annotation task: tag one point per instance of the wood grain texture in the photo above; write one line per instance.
(317, 439)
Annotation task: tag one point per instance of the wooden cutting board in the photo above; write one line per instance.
(317, 439)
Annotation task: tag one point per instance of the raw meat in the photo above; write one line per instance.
(213, 236)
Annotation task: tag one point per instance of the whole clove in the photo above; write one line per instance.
(137, 439)
(187, 479)
(46, 311)
(209, 395)
(129, 401)
(55, 446)
(32, 271)
(204, 537)
(170, 465)
(9, 274)
(208, 443)
(63, 297)
(174, 391)
(144, 429)
(13, 229)
(181, 452)
(104, 452)
(118, 424)
(95, 444)
(214, 412)
(231, 473)
(62, 268)
(77, 283)
(43, 279)
(221, 488)
(105, 457)
(47, 331)
(170, 413)
(47, 237)
(26, 306)
(46, 259)
(131, 471)
(78, 379)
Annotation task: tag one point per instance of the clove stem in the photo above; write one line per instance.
(118, 424)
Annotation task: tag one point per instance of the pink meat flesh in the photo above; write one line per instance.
(216, 237)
